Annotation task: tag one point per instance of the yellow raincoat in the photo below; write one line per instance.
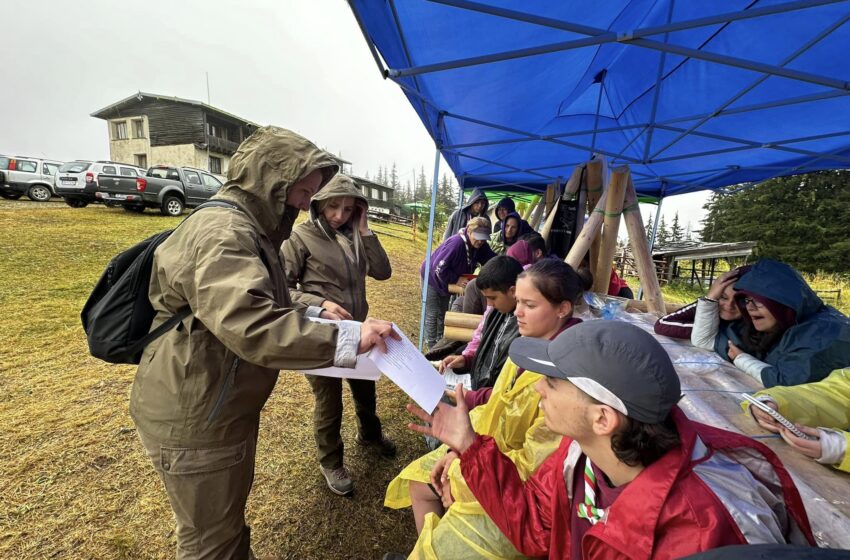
(511, 417)
(823, 404)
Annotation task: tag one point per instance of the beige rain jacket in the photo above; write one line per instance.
(327, 264)
(205, 382)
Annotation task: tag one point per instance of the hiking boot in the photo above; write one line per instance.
(384, 445)
(339, 481)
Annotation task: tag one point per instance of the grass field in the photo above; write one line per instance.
(75, 483)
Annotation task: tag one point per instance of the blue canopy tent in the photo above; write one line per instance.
(691, 95)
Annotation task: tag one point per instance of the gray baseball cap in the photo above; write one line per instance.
(616, 363)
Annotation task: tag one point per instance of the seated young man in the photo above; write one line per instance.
(633, 476)
(497, 281)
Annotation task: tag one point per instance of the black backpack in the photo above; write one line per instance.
(118, 315)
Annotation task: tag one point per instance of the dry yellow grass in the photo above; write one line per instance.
(75, 483)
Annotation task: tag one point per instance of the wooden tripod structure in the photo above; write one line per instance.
(606, 205)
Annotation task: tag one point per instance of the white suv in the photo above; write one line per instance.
(27, 176)
(77, 181)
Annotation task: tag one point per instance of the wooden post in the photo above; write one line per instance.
(551, 209)
(531, 206)
(640, 250)
(537, 215)
(589, 232)
(613, 209)
(594, 192)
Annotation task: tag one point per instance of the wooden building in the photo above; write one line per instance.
(380, 196)
(696, 263)
(147, 129)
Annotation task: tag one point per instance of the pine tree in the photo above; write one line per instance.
(422, 191)
(688, 232)
(662, 238)
(676, 234)
(649, 228)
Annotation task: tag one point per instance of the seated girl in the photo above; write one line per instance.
(787, 335)
(513, 227)
(546, 294)
(825, 404)
(680, 323)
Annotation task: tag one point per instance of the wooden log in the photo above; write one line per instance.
(611, 227)
(642, 306)
(595, 188)
(572, 186)
(537, 215)
(589, 232)
(458, 333)
(574, 183)
(640, 249)
(465, 320)
(531, 206)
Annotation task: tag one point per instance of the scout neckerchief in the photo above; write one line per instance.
(587, 509)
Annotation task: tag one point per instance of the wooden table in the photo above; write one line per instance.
(712, 388)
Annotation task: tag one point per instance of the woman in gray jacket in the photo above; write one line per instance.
(327, 260)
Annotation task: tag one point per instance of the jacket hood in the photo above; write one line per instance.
(506, 203)
(477, 195)
(340, 185)
(522, 228)
(781, 283)
(263, 168)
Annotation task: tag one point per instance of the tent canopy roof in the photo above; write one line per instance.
(692, 95)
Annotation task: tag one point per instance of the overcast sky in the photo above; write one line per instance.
(300, 64)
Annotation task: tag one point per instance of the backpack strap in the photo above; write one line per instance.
(185, 311)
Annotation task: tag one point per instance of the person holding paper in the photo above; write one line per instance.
(199, 389)
(328, 258)
(449, 520)
(633, 477)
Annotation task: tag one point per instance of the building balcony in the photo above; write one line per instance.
(221, 146)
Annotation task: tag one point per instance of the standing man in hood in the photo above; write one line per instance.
(476, 206)
(199, 389)
(327, 261)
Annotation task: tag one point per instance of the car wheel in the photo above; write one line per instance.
(172, 206)
(134, 209)
(39, 193)
(10, 195)
(76, 203)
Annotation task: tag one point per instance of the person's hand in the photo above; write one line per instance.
(363, 221)
(451, 362)
(734, 351)
(449, 424)
(462, 281)
(725, 279)
(325, 314)
(440, 478)
(809, 448)
(373, 332)
(335, 309)
(764, 419)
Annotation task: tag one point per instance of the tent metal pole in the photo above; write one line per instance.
(600, 36)
(428, 250)
(652, 236)
(369, 41)
(646, 31)
(601, 79)
(657, 94)
(790, 58)
(511, 167)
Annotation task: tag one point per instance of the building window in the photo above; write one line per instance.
(383, 195)
(373, 193)
(141, 160)
(138, 128)
(215, 165)
(119, 131)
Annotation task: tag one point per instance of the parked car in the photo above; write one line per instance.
(76, 181)
(171, 189)
(29, 176)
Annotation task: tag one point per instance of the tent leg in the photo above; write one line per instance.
(428, 251)
(652, 237)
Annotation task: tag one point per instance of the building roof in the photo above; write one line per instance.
(691, 250)
(362, 181)
(137, 97)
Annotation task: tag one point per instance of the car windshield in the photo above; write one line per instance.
(74, 167)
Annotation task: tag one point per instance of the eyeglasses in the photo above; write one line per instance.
(750, 301)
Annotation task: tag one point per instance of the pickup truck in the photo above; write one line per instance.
(171, 189)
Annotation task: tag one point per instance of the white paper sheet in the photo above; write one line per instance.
(451, 379)
(405, 365)
(402, 363)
